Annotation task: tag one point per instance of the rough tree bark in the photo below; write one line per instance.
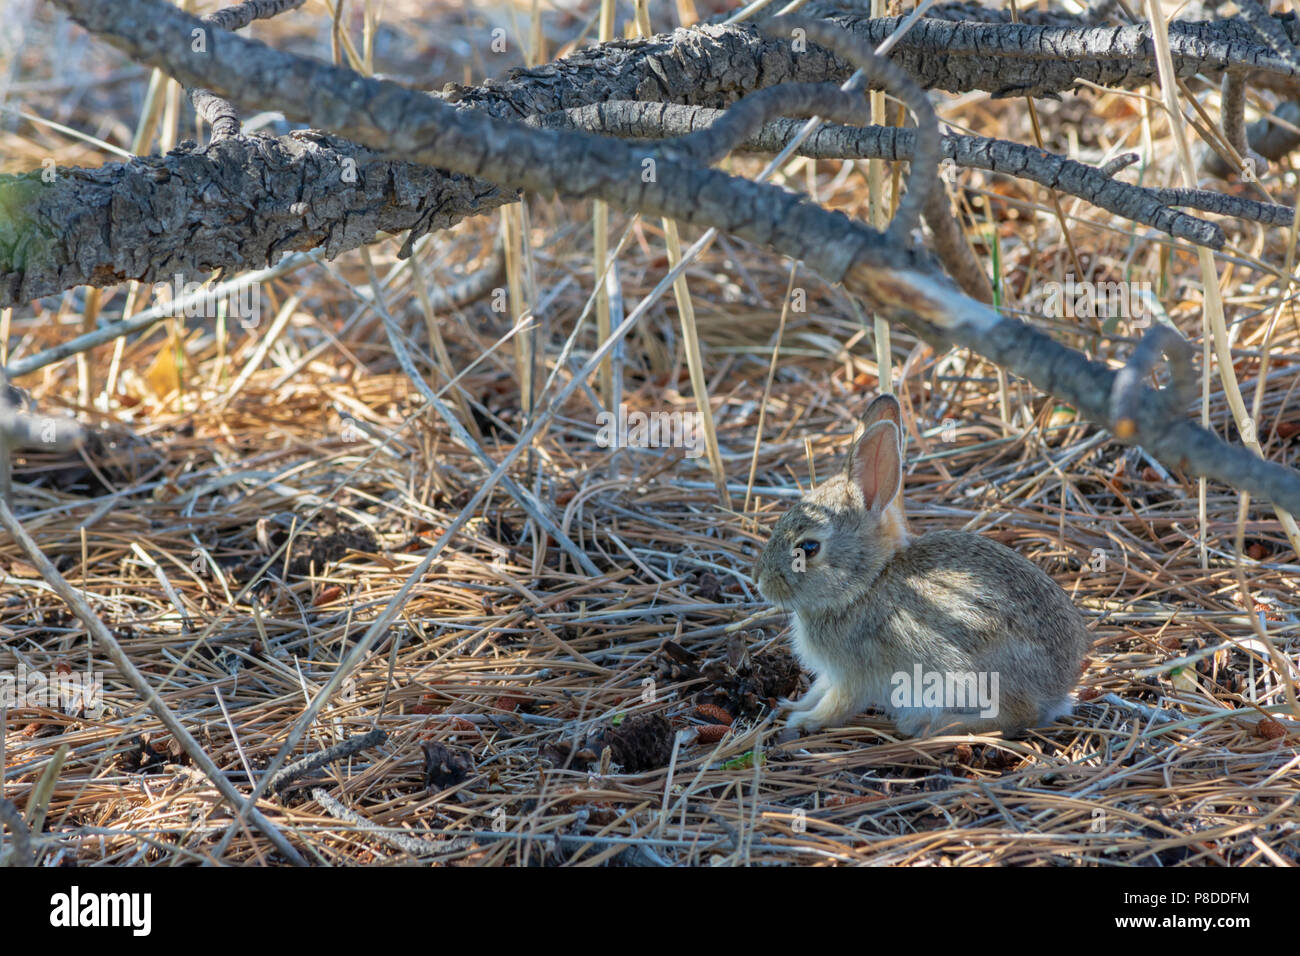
(899, 281)
(202, 209)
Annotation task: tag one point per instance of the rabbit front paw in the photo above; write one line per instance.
(833, 707)
(808, 701)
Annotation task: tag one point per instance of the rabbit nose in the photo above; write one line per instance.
(772, 584)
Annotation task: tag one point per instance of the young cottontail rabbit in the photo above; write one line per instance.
(946, 631)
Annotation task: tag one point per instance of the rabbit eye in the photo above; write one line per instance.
(809, 547)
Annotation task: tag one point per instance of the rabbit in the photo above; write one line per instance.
(882, 616)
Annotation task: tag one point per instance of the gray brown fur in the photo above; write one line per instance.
(873, 602)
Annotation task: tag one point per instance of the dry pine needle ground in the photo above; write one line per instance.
(238, 532)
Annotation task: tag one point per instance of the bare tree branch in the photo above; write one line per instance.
(213, 110)
(1233, 122)
(1269, 30)
(193, 212)
(240, 15)
(1271, 137)
(340, 751)
(1127, 390)
(1022, 59)
(900, 283)
(1146, 205)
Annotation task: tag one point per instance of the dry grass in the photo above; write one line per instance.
(283, 516)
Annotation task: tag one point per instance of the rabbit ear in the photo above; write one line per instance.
(875, 466)
(885, 407)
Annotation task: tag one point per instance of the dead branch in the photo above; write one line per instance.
(340, 751)
(1233, 122)
(1024, 59)
(223, 211)
(1138, 203)
(415, 846)
(1127, 390)
(899, 283)
(195, 211)
(953, 250)
(1271, 138)
(883, 73)
(1269, 30)
(212, 109)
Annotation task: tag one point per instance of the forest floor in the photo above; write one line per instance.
(251, 499)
